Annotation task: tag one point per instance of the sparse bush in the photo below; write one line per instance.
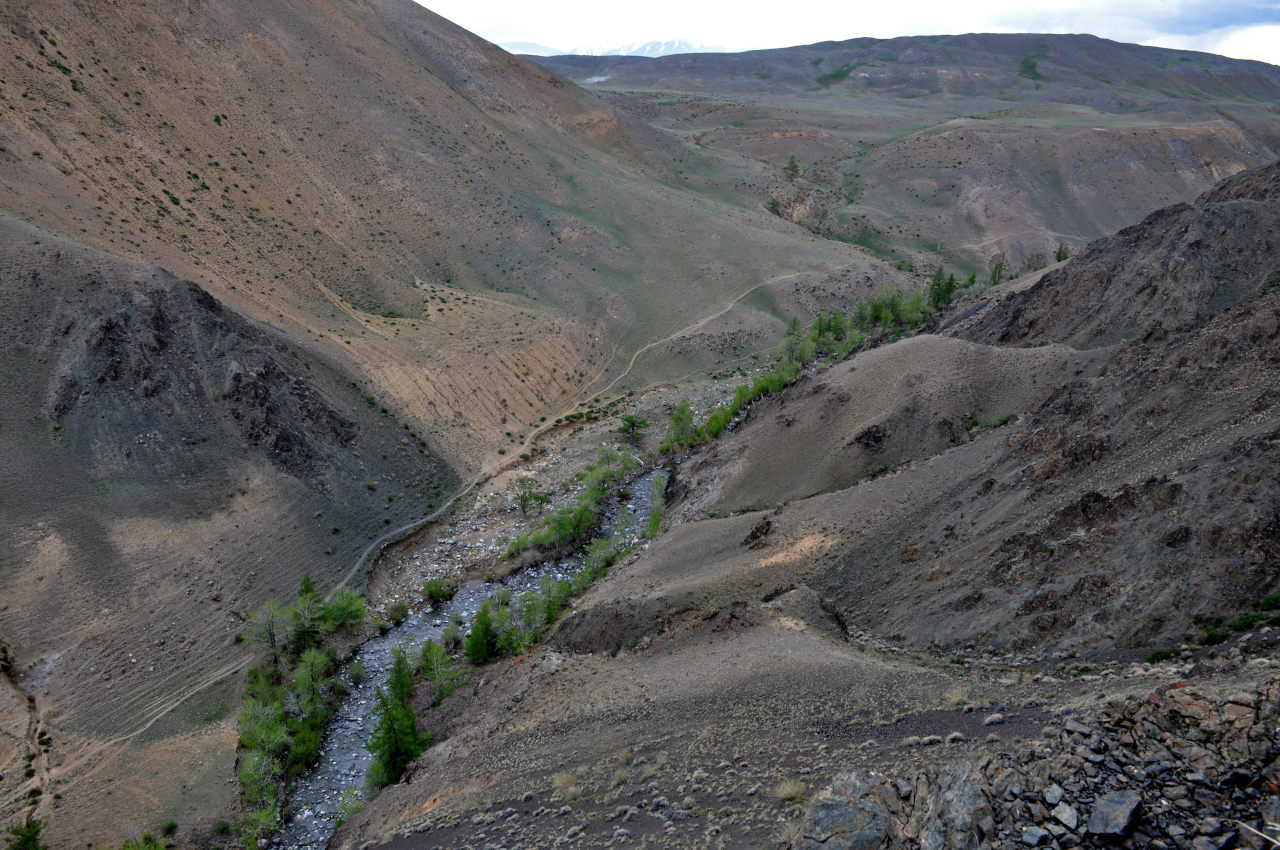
(1161, 655)
(437, 671)
(451, 636)
(657, 504)
(524, 491)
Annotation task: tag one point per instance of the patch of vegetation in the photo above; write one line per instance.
(832, 77)
(833, 336)
(574, 523)
(437, 590)
(25, 837)
(507, 626)
(398, 611)
(1214, 630)
(657, 504)
(1161, 655)
(289, 701)
(942, 289)
(397, 740)
(438, 671)
(1029, 66)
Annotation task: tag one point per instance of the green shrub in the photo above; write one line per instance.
(437, 590)
(345, 611)
(1270, 602)
(398, 611)
(1161, 655)
(451, 636)
(437, 670)
(1248, 621)
(397, 740)
(480, 641)
(25, 837)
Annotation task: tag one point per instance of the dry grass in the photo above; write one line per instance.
(789, 835)
(790, 791)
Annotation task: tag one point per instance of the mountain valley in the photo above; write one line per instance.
(314, 288)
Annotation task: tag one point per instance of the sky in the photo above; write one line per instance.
(1243, 29)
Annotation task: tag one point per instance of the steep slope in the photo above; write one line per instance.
(169, 466)
(482, 239)
(976, 148)
(1179, 266)
(1132, 495)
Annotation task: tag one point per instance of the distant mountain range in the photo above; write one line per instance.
(652, 49)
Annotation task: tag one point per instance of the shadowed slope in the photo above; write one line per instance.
(169, 465)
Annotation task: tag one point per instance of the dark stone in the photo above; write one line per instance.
(848, 816)
(1033, 836)
(1113, 813)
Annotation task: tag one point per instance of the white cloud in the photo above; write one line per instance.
(1261, 42)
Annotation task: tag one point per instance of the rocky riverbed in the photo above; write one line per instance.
(338, 779)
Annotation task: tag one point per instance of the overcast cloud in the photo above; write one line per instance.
(1238, 28)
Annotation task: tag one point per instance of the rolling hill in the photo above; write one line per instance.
(979, 148)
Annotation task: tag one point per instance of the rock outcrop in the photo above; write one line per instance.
(1180, 768)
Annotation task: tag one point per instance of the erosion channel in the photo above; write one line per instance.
(344, 760)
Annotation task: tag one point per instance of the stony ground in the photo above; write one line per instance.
(1183, 767)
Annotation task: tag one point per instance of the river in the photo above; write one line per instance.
(344, 762)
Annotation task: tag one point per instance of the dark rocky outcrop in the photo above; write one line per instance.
(1180, 768)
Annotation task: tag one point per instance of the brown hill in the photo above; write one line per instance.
(972, 149)
(481, 239)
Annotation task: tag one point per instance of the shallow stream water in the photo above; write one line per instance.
(344, 762)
